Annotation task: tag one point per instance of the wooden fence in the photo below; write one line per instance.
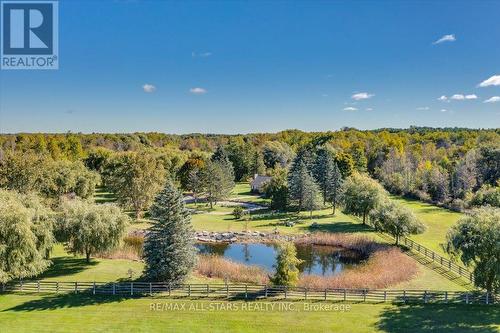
(448, 264)
(247, 291)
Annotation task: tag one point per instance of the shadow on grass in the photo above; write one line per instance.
(62, 266)
(341, 227)
(443, 318)
(103, 195)
(62, 301)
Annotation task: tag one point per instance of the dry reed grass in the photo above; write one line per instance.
(131, 248)
(214, 266)
(385, 265)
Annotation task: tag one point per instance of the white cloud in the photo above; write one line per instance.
(350, 108)
(445, 38)
(493, 99)
(443, 110)
(369, 109)
(361, 96)
(423, 108)
(458, 97)
(201, 54)
(443, 98)
(492, 81)
(148, 88)
(198, 91)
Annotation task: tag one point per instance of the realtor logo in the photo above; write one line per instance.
(29, 32)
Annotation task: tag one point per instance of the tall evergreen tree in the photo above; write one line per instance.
(334, 189)
(301, 186)
(323, 170)
(169, 251)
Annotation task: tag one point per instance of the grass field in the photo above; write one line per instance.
(438, 221)
(81, 313)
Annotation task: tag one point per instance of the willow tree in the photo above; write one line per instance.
(169, 251)
(361, 194)
(476, 240)
(395, 219)
(87, 228)
(25, 236)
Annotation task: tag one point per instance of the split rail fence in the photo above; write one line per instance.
(247, 291)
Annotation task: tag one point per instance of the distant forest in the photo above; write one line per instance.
(454, 167)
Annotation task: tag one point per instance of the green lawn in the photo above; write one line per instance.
(86, 313)
(438, 221)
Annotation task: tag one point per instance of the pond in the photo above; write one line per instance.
(317, 260)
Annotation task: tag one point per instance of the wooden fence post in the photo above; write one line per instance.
(76, 287)
(364, 295)
(404, 296)
(345, 295)
(446, 296)
(227, 290)
(57, 287)
(305, 293)
(246, 291)
(385, 295)
(487, 298)
(466, 298)
(93, 288)
(425, 296)
(189, 290)
(38, 286)
(208, 290)
(114, 288)
(150, 288)
(265, 291)
(285, 293)
(325, 294)
(169, 289)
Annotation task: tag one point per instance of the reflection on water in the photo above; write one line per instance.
(317, 260)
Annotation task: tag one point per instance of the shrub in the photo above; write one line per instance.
(287, 273)
(238, 212)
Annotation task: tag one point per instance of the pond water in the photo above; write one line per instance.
(317, 260)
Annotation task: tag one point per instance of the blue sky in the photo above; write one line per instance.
(239, 67)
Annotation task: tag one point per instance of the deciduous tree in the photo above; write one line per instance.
(476, 240)
(87, 228)
(361, 195)
(25, 236)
